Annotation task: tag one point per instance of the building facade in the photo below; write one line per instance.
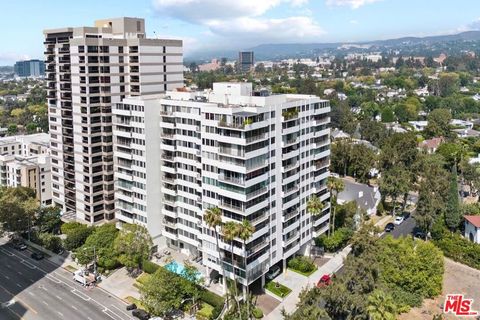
(258, 158)
(29, 68)
(25, 161)
(246, 61)
(88, 69)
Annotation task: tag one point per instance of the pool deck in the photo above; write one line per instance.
(182, 259)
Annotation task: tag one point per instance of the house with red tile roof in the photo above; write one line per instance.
(431, 145)
(472, 228)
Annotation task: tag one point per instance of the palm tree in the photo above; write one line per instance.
(381, 306)
(245, 232)
(230, 231)
(213, 219)
(315, 208)
(334, 185)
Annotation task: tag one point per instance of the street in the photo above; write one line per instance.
(31, 289)
(404, 229)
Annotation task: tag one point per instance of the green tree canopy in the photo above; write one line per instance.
(133, 245)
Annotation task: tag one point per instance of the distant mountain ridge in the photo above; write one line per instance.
(282, 50)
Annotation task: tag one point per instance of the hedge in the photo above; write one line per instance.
(459, 249)
(336, 241)
(205, 313)
(302, 264)
(149, 266)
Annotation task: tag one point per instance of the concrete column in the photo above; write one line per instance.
(224, 285)
(263, 281)
(207, 276)
(284, 261)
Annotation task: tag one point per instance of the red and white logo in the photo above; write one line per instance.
(459, 306)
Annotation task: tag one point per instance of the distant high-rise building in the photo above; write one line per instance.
(29, 68)
(88, 69)
(245, 61)
(258, 158)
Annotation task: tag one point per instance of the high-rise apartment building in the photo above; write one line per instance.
(258, 158)
(88, 69)
(29, 68)
(246, 61)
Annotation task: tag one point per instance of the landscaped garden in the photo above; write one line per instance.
(278, 289)
(302, 265)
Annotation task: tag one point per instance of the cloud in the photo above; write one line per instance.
(243, 23)
(11, 57)
(353, 22)
(354, 4)
(197, 11)
(474, 25)
(291, 29)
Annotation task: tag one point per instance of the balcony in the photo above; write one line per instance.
(256, 193)
(232, 180)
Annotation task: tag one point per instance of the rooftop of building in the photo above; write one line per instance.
(475, 220)
(37, 138)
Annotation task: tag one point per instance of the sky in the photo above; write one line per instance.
(208, 25)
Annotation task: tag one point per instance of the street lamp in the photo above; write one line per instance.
(94, 260)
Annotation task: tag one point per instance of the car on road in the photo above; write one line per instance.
(20, 246)
(141, 314)
(389, 227)
(273, 272)
(37, 255)
(399, 220)
(132, 306)
(324, 281)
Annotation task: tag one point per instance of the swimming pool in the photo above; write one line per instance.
(178, 268)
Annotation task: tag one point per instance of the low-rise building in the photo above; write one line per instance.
(25, 161)
(366, 197)
(431, 145)
(472, 228)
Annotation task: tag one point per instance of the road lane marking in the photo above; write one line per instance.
(19, 285)
(121, 311)
(56, 280)
(58, 298)
(8, 266)
(73, 307)
(8, 253)
(61, 314)
(30, 293)
(45, 303)
(81, 295)
(28, 264)
(6, 277)
(19, 273)
(113, 315)
(19, 300)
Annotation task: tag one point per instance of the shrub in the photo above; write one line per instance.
(206, 312)
(211, 298)
(149, 266)
(336, 241)
(302, 264)
(68, 227)
(278, 289)
(50, 242)
(460, 249)
(257, 313)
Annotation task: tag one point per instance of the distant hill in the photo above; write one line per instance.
(6, 69)
(282, 50)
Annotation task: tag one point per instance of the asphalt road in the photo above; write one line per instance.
(40, 290)
(404, 229)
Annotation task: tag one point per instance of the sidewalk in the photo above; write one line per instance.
(297, 282)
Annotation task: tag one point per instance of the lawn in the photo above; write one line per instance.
(306, 274)
(141, 280)
(71, 268)
(278, 289)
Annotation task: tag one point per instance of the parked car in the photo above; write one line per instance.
(419, 234)
(273, 272)
(324, 281)
(20, 246)
(389, 227)
(37, 255)
(399, 220)
(141, 314)
(132, 306)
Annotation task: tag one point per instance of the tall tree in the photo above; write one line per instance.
(395, 182)
(133, 245)
(18, 208)
(230, 232)
(452, 213)
(381, 306)
(213, 219)
(335, 186)
(245, 232)
(438, 123)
